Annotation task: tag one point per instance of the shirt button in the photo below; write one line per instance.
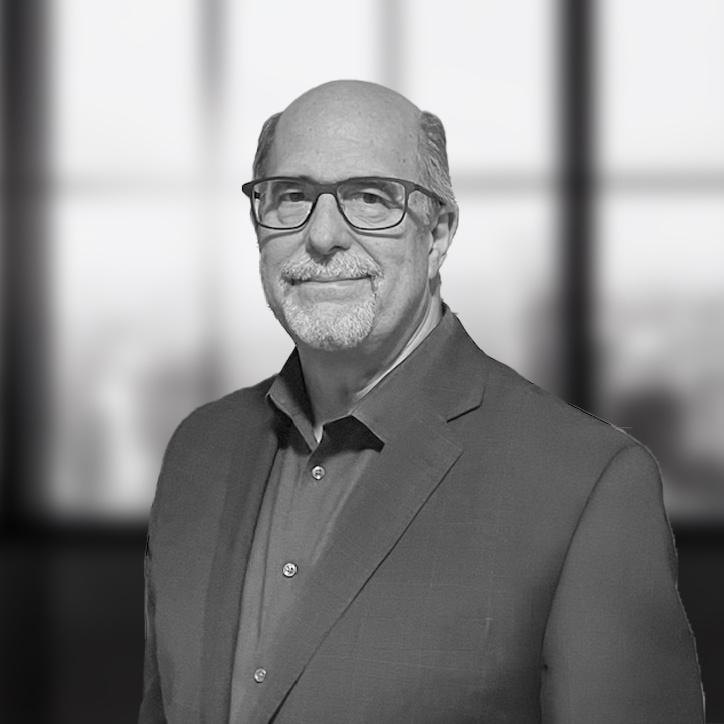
(259, 675)
(290, 569)
(317, 472)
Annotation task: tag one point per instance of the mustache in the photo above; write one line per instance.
(349, 266)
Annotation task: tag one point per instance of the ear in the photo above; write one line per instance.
(442, 233)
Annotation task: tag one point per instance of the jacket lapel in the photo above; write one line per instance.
(419, 450)
(248, 473)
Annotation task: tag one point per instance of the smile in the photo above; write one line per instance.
(337, 281)
(332, 289)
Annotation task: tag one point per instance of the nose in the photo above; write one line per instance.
(327, 231)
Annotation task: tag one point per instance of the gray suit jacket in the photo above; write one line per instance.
(507, 559)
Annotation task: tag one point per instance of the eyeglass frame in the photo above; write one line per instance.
(332, 188)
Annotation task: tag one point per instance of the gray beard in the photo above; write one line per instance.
(330, 327)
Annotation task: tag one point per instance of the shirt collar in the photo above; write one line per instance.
(288, 396)
(288, 392)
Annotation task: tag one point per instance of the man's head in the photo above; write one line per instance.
(333, 286)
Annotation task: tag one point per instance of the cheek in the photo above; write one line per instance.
(269, 271)
(264, 267)
(406, 277)
(416, 262)
(272, 257)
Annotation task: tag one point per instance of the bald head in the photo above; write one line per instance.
(342, 100)
(345, 129)
(352, 127)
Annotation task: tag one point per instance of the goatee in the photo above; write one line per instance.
(325, 325)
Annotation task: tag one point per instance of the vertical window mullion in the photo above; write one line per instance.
(576, 97)
(24, 257)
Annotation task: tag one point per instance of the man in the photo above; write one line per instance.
(397, 528)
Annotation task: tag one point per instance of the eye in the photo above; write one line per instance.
(292, 196)
(370, 197)
(286, 192)
(370, 194)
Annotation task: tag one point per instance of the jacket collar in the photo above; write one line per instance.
(443, 374)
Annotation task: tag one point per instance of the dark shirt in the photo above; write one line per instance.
(308, 486)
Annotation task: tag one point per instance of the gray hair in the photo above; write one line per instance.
(431, 154)
(266, 138)
(432, 158)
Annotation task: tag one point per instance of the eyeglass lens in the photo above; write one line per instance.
(365, 203)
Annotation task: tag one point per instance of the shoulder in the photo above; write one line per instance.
(547, 444)
(539, 470)
(202, 450)
(545, 416)
(234, 403)
(521, 428)
(206, 441)
(224, 417)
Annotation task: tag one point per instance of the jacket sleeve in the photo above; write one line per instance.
(152, 703)
(618, 648)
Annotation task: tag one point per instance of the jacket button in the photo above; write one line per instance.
(317, 472)
(290, 569)
(259, 675)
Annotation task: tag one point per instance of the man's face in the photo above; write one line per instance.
(333, 287)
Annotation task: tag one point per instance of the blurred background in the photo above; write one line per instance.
(586, 143)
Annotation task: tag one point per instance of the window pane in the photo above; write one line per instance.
(661, 81)
(125, 88)
(660, 326)
(501, 277)
(487, 68)
(275, 51)
(130, 345)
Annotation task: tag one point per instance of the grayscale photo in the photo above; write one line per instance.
(362, 363)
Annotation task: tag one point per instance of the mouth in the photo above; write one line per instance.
(337, 289)
(337, 280)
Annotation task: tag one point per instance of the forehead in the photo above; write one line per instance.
(335, 139)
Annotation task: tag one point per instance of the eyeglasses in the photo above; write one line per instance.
(368, 203)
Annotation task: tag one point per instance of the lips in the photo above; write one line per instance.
(325, 280)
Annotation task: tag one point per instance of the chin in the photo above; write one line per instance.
(331, 329)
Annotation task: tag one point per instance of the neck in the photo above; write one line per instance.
(337, 380)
